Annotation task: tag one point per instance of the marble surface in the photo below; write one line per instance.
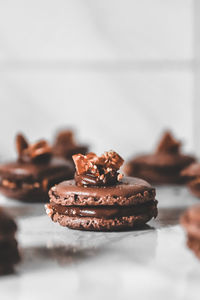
(152, 263)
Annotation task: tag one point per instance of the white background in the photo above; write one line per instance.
(119, 71)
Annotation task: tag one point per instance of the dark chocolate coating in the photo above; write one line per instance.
(32, 180)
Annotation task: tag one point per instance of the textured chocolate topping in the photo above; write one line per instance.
(36, 153)
(106, 212)
(92, 170)
(168, 144)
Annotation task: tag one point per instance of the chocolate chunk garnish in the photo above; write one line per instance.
(65, 145)
(93, 170)
(65, 137)
(21, 143)
(168, 144)
(37, 152)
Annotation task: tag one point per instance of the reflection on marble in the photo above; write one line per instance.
(153, 262)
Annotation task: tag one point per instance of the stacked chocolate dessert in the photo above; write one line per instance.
(34, 172)
(100, 198)
(164, 165)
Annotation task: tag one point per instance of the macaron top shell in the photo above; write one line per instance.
(31, 171)
(128, 192)
(163, 160)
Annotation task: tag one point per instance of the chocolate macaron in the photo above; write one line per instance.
(65, 145)
(35, 171)
(190, 220)
(163, 166)
(191, 175)
(9, 254)
(99, 198)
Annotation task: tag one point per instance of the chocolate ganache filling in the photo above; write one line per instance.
(92, 170)
(105, 211)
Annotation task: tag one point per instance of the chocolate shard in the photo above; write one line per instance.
(37, 152)
(65, 137)
(39, 149)
(97, 170)
(21, 143)
(113, 160)
(168, 144)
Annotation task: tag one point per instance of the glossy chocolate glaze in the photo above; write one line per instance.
(106, 212)
(129, 186)
(110, 179)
